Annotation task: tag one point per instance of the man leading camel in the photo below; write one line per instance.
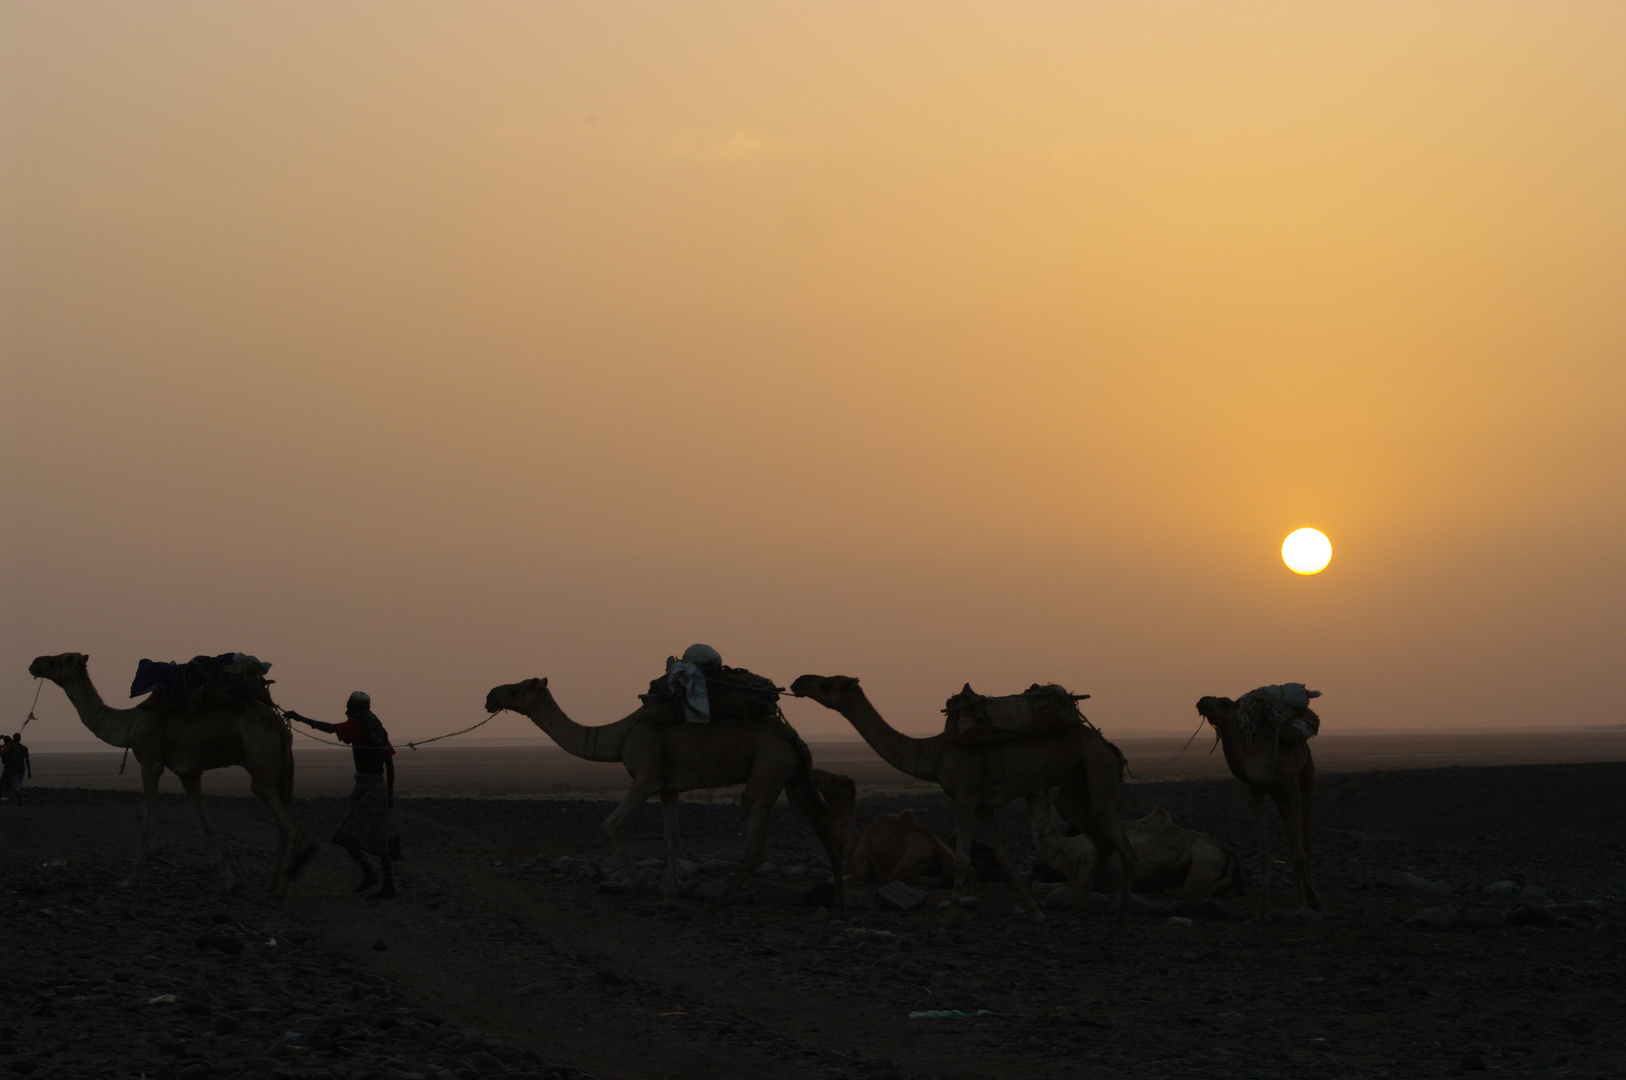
(366, 828)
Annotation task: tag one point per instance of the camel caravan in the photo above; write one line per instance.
(703, 725)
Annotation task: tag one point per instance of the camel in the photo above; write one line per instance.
(188, 744)
(842, 795)
(896, 847)
(1168, 857)
(667, 759)
(982, 777)
(1285, 772)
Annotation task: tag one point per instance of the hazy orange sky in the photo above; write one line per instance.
(422, 347)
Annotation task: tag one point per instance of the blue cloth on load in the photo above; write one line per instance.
(176, 680)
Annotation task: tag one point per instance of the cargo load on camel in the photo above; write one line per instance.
(1284, 708)
(203, 682)
(701, 689)
(1038, 710)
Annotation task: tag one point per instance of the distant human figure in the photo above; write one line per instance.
(15, 757)
(366, 828)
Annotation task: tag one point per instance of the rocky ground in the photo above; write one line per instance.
(514, 951)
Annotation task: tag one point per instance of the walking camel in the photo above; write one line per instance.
(188, 744)
(669, 758)
(1283, 770)
(982, 777)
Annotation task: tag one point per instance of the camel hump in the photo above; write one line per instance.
(1041, 709)
(204, 682)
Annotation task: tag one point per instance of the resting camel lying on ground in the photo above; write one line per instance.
(1167, 857)
(896, 847)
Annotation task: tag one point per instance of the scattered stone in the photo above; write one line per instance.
(1606, 932)
(609, 978)
(380, 945)
(1505, 890)
(1434, 918)
(1472, 1063)
(1532, 915)
(1145, 905)
(821, 895)
(1370, 917)
(1532, 894)
(896, 896)
(219, 942)
(773, 894)
(1413, 883)
(1065, 898)
(1308, 916)
(1485, 918)
(712, 889)
(227, 1024)
(1219, 908)
(1097, 904)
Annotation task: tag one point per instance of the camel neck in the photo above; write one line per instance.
(919, 758)
(112, 726)
(598, 743)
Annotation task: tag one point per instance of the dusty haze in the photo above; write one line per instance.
(421, 348)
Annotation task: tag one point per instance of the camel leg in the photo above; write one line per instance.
(193, 784)
(1256, 801)
(1306, 805)
(669, 827)
(292, 853)
(805, 799)
(965, 824)
(1292, 814)
(991, 825)
(636, 796)
(150, 775)
(758, 807)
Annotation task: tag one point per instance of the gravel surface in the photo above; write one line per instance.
(516, 949)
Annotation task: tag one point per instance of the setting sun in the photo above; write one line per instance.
(1306, 551)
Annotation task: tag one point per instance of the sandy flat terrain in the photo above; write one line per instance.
(504, 956)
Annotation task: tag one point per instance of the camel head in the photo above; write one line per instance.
(515, 696)
(60, 668)
(828, 690)
(1220, 712)
(842, 795)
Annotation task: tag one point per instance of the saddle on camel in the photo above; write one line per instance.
(701, 689)
(203, 682)
(1041, 709)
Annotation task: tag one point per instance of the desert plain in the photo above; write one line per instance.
(514, 951)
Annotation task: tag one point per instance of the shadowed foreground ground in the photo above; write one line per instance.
(503, 957)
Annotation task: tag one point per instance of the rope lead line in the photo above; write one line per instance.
(39, 684)
(410, 746)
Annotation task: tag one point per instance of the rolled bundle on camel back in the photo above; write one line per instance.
(203, 682)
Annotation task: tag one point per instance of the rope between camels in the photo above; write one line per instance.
(1168, 764)
(39, 684)
(409, 745)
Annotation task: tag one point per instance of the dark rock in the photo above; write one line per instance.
(1370, 917)
(1606, 932)
(709, 890)
(821, 895)
(227, 1024)
(1434, 918)
(219, 942)
(1472, 1063)
(24, 1064)
(1097, 904)
(380, 945)
(1412, 883)
(1185, 909)
(1485, 918)
(1505, 890)
(1066, 898)
(773, 894)
(1145, 905)
(1532, 915)
(1308, 916)
(896, 896)
(610, 978)
(1217, 908)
